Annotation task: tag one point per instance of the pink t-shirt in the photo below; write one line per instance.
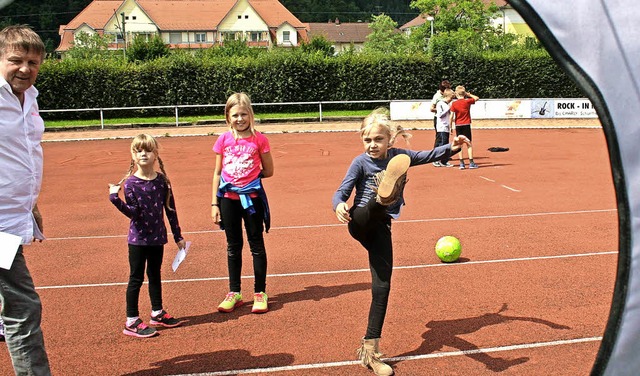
(241, 162)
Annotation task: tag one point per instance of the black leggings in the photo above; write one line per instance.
(139, 256)
(371, 226)
(232, 214)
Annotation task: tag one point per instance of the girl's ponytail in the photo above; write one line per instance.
(131, 166)
(167, 199)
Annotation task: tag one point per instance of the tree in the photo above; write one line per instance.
(463, 28)
(318, 43)
(89, 46)
(450, 15)
(384, 36)
(142, 49)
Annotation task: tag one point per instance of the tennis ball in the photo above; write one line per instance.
(448, 248)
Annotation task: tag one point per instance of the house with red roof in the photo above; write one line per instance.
(343, 36)
(508, 19)
(187, 24)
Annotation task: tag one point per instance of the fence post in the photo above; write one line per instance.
(320, 105)
(176, 116)
(101, 119)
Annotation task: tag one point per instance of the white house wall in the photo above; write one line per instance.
(344, 47)
(513, 21)
(209, 38)
(141, 25)
(242, 19)
(85, 29)
(293, 35)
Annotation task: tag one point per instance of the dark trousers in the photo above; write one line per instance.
(371, 226)
(442, 138)
(22, 314)
(139, 257)
(233, 214)
(435, 128)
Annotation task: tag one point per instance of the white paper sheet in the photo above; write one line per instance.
(9, 244)
(180, 256)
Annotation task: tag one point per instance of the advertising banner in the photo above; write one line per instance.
(410, 110)
(502, 109)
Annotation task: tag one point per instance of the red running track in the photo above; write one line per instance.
(530, 295)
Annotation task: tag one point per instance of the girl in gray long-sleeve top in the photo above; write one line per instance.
(378, 176)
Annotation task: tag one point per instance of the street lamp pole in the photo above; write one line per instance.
(124, 37)
(430, 19)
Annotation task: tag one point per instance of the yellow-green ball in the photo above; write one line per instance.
(448, 248)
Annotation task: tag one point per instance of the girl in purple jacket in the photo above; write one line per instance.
(148, 196)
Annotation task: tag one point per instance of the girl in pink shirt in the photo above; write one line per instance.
(243, 158)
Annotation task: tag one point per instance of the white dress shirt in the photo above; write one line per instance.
(21, 129)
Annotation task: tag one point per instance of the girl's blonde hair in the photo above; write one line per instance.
(380, 117)
(461, 91)
(149, 144)
(242, 100)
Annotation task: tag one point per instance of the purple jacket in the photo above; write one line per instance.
(145, 206)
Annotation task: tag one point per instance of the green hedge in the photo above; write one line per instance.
(294, 77)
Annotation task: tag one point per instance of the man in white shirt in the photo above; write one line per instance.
(21, 128)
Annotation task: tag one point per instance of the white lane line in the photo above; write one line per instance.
(297, 367)
(509, 188)
(326, 272)
(304, 227)
(502, 185)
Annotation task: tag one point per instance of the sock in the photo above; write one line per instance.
(131, 320)
(156, 313)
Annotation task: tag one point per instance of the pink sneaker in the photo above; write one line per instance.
(139, 329)
(165, 319)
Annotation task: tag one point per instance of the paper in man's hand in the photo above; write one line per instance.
(9, 245)
(180, 256)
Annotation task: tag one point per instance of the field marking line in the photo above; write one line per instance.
(342, 271)
(304, 227)
(502, 185)
(487, 350)
(509, 188)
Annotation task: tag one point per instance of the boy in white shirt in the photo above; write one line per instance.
(443, 126)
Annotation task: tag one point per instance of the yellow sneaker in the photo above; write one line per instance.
(230, 302)
(260, 303)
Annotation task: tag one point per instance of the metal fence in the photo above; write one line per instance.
(177, 108)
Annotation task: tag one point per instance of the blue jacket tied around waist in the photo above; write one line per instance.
(255, 186)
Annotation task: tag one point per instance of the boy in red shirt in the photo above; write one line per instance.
(461, 120)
